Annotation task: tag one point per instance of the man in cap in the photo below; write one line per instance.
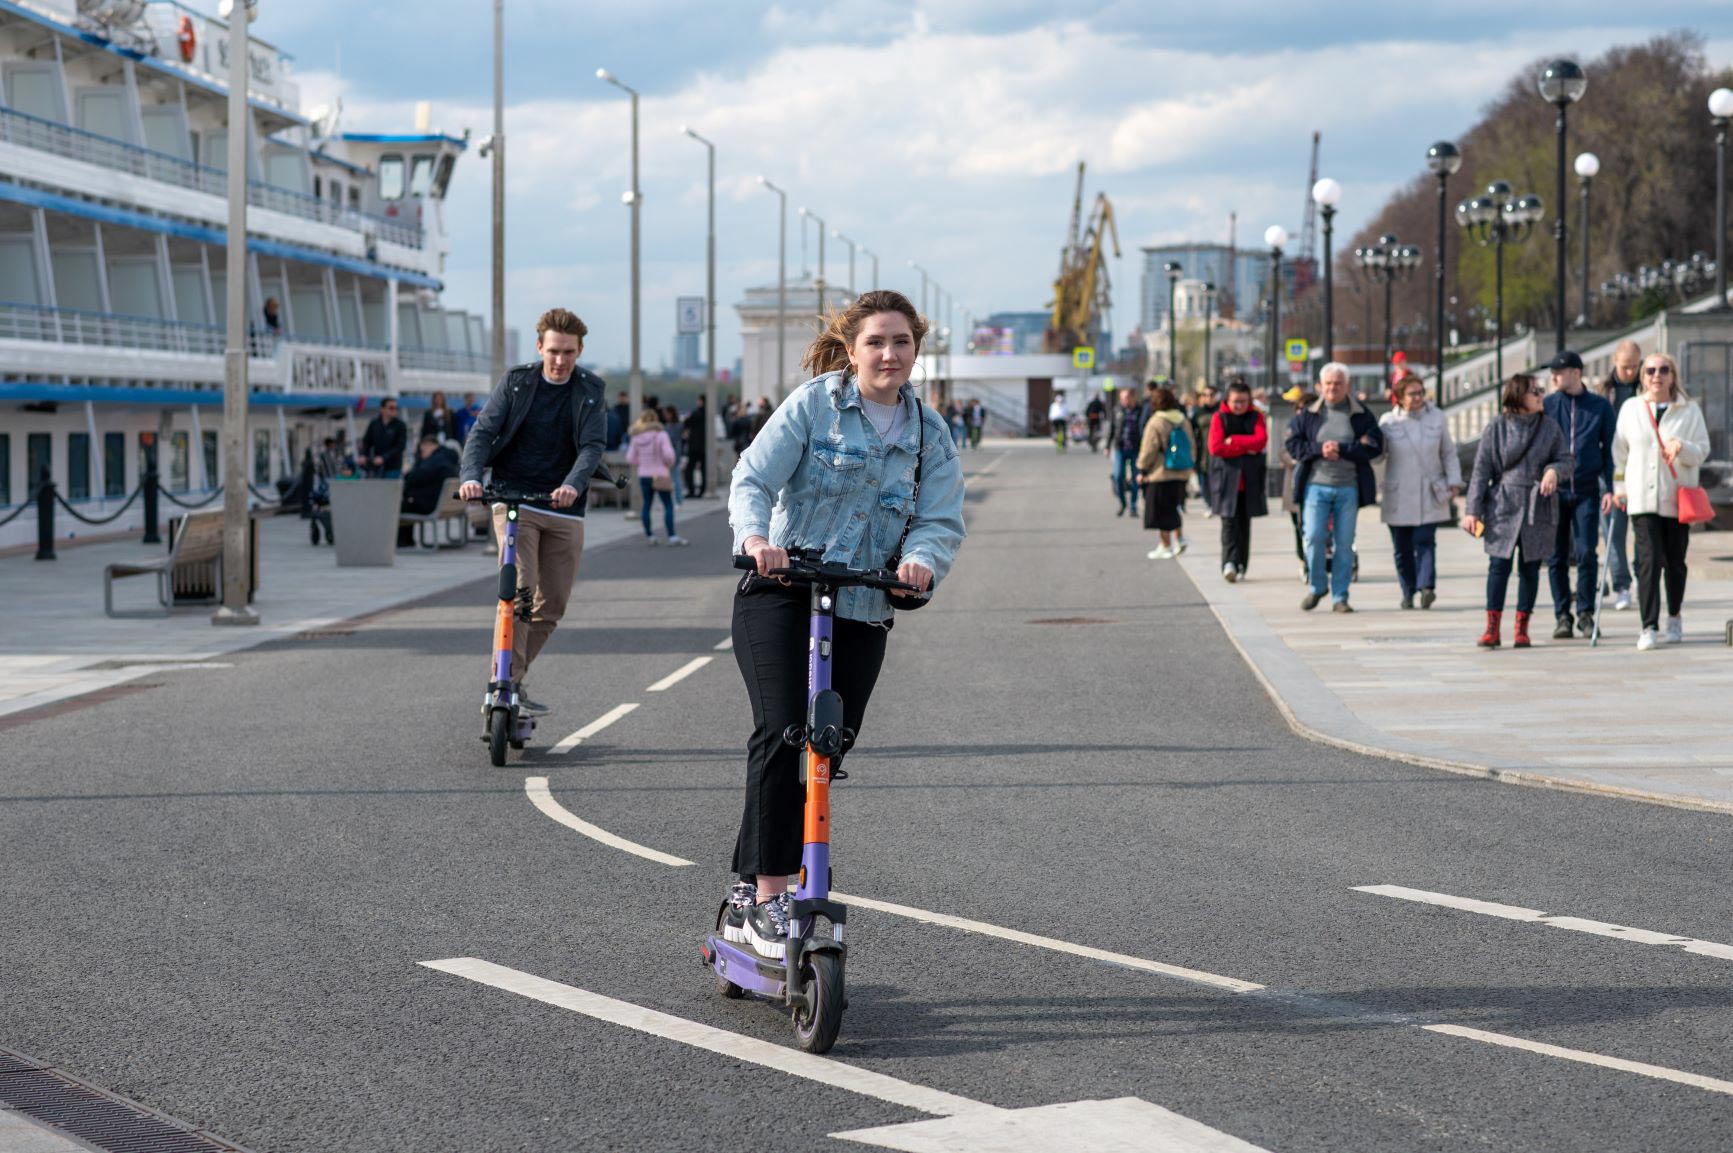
(1587, 420)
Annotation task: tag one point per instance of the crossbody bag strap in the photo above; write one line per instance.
(1656, 425)
(915, 498)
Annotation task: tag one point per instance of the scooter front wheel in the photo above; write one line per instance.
(498, 732)
(819, 1017)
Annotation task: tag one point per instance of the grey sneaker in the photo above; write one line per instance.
(741, 897)
(1341, 607)
(1427, 596)
(678, 541)
(1310, 601)
(527, 706)
(1586, 625)
(1564, 629)
(766, 928)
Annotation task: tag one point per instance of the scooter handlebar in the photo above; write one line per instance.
(804, 571)
(492, 493)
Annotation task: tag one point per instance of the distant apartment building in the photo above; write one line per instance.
(1210, 263)
(688, 358)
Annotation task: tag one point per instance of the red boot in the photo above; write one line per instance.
(1490, 639)
(1522, 630)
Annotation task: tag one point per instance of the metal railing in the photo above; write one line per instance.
(107, 329)
(443, 360)
(117, 155)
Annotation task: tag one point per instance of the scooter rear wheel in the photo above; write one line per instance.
(499, 730)
(815, 1030)
(728, 988)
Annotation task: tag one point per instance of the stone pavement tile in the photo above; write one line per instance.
(1413, 683)
(56, 643)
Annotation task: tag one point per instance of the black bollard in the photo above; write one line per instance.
(152, 535)
(45, 516)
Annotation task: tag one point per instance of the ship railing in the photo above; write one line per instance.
(35, 322)
(62, 140)
(443, 360)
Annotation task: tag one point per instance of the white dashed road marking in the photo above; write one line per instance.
(594, 727)
(679, 674)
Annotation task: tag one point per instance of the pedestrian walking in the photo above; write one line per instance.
(954, 421)
(466, 416)
(1059, 419)
(1238, 439)
(439, 421)
(1585, 495)
(1096, 412)
(855, 467)
(696, 432)
(1301, 399)
(1624, 382)
(1203, 414)
(1512, 501)
(1333, 442)
(651, 452)
(1659, 442)
(1165, 459)
(977, 422)
(1421, 475)
(1124, 439)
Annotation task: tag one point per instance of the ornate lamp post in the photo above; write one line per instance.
(1562, 84)
(1587, 166)
(1173, 270)
(1443, 158)
(1385, 263)
(1721, 108)
(1275, 236)
(1495, 219)
(1327, 194)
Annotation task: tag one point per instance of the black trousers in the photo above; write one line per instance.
(1661, 544)
(1237, 535)
(771, 627)
(695, 466)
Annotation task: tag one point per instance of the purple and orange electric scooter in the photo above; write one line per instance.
(809, 978)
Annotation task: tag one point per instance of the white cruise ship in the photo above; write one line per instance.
(113, 210)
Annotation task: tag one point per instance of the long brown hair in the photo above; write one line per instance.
(829, 353)
(1516, 392)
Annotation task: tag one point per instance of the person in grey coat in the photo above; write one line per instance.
(1513, 501)
(1421, 475)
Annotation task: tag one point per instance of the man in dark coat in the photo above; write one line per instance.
(1586, 419)
(383, 443)
(1333, 444)
(697, 433)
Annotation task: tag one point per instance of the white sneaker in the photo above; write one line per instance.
(1623, 603)
(1162, 553)
(678, 541)
(1647, 640)
(651, 541)
(1230, 573)
(1674, 631)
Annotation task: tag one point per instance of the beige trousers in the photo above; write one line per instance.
(548, 551)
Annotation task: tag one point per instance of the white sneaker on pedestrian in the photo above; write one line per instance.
(1623, 603)
(1647, 640)
(678, 541)
(651, 541)
(1162, 553)
(1230, 573)
(1673, 632)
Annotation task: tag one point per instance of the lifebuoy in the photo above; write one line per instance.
(188, 39)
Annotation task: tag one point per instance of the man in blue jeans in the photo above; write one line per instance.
(1621, 385)
(1587, 420)
(1333, 443)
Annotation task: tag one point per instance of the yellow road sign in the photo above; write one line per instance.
(1083, 357)
(1298, 350)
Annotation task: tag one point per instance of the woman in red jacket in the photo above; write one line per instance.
(1238, 439)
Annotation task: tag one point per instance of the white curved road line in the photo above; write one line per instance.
(536, 788)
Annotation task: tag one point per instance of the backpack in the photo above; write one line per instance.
(1179, 458)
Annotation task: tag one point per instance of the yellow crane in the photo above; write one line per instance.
(1082, 295)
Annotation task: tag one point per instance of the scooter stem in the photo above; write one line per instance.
(815, 851)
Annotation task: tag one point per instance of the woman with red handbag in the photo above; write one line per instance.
(1660, 441)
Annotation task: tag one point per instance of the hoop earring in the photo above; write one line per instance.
(922, 368)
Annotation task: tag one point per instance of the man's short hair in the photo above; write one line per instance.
(561, 320)
(1334, 366)
(430, 439)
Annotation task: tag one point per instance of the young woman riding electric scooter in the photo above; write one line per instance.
(854, 471)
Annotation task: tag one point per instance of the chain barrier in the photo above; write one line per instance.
(173, 499)
(118, 513)
(29, 503)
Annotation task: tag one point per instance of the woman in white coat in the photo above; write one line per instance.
(1658, 444)
(1421, 474)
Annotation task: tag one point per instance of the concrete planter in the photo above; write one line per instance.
(364, 521)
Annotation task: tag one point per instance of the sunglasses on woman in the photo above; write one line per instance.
(1657, 370)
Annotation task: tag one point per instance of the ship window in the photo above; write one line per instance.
(261, 456)
(421, 176)
(5, 468)
(166, 131)
(34, 91)
(114, 464)
(355, 197)
(391, 177)
(318, 188)
(178, 462)
(442, 178)
(18, 270)
(212, 471)
(78, 465)
(103, 111)
(216, 150)
(77, 281)
(287, 170)
(38, 455)
(189, 286)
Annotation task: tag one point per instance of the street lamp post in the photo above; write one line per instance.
(635, 198)
(835, 235)
(1494, 219)
(713, 449)
(1275, 236)
(818, 220)
(1327, 194)
(496, 149)
(1587, 166)
(234, 609)
(1443, 158)
(1173, 270)
(1385, 263)
(1721, 108)
(923, 273)
(1209, 300)
(875, 259)
(1562, 84)
(781, 287)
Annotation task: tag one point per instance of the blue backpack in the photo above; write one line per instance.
(1179, 458)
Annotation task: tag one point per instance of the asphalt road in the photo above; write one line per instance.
(215, 894)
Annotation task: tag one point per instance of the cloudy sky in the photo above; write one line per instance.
(945, 132)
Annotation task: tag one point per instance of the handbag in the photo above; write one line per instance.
(1694, 506)
(662, 484)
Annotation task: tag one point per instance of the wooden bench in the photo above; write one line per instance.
(197, 546)
(448, 511)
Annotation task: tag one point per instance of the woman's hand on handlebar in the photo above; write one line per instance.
(915, 574)
(469, 490)
(767, 555)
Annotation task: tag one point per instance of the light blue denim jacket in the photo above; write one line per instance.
(818, 476)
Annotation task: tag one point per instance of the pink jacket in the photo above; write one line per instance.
(651, 452)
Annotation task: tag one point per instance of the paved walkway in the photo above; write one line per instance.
(56, 643)
(1413, 684)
